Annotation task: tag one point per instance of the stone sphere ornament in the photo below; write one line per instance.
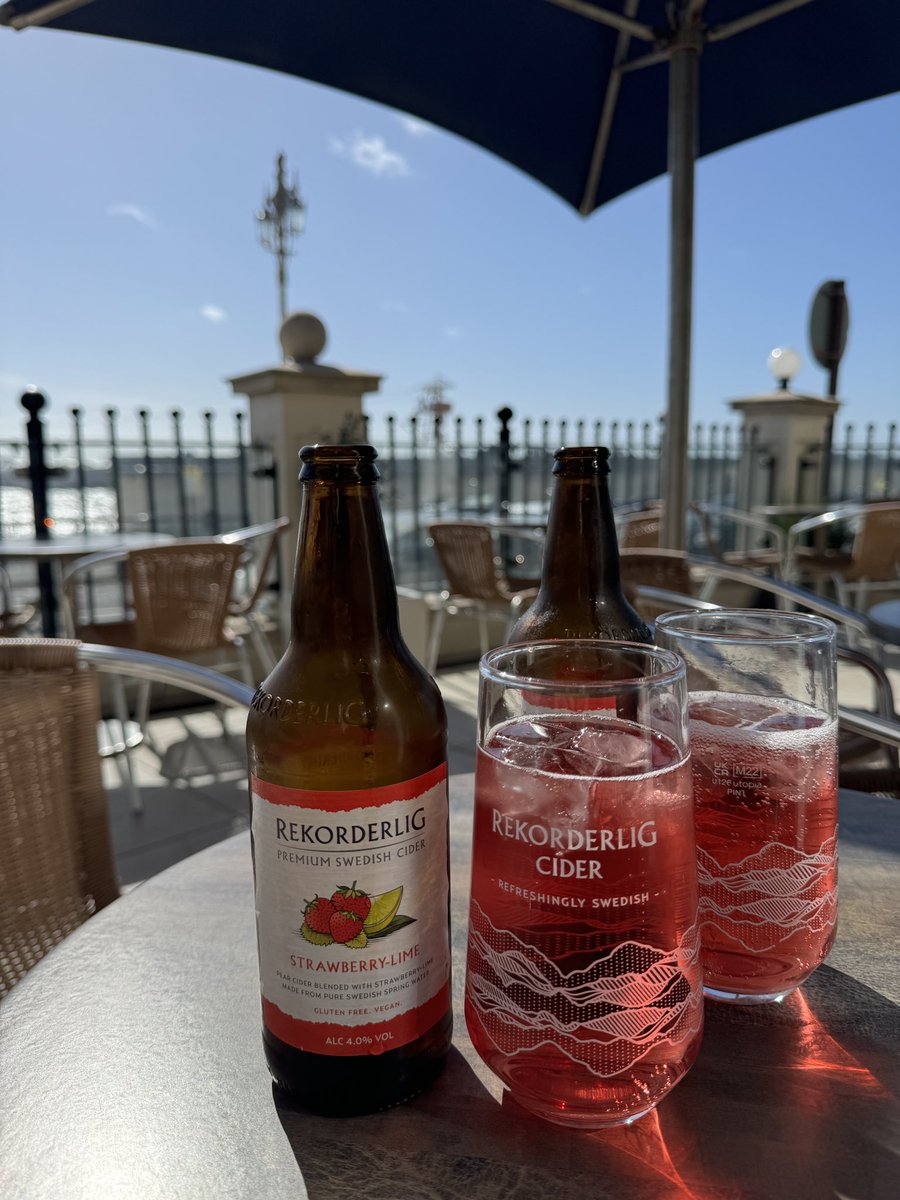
(303, 337)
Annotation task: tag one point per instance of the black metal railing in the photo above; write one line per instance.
(203, 475)
(435, 468)
(159, 477)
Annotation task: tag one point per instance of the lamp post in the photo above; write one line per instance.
(281, 220)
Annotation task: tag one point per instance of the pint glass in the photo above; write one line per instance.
(583, 985)
(763, 724)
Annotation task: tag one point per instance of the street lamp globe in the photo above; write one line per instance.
(784, 363)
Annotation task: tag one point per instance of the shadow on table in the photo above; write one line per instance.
(787, 1101)
(793, 1100)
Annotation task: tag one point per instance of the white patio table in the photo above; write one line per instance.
(57, 552)
(132, 1067)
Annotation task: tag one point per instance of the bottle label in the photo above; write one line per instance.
(352, 909)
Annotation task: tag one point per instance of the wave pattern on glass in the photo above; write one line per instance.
(631, 999)
(770, 895)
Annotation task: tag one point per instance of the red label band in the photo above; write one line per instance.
(344, 1040)
(344, 801)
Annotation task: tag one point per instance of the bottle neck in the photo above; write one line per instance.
(344, 596)
(581, 557)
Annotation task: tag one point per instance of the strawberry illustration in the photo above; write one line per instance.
(318, 913)
(352, 899)
(345, 926)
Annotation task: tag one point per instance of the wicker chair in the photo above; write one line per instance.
(56, 858)
(761, 545)
(180, 595)
(874, 557)
(476, 583)
(667, 570)
(871, 564)
(640, 530)
(56, 862)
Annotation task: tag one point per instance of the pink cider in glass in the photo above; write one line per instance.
(765, 796)
(583, 982)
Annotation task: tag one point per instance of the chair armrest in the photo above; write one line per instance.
(846, 617)
(253, 531)
(70, 580)
(821, 521)
(740, 517)
(137, 664)
(871, 726)
(676, 599)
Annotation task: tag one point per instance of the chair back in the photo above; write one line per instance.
(56, 859)
(465, 550)
(668, 570)
(181, 593)
(876, 546)
(640, 530)
(258, 543)
(757, 541)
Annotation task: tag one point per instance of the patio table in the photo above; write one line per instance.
(132, 1066)
(57, 552)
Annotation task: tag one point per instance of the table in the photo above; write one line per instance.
(56, 552)
(131, 1067)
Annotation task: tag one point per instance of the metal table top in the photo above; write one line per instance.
(132, 1067)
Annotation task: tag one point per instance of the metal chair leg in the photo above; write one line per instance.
(434, 641)
(245, 665)
(483, 633)
(261, 646)
(123, 758)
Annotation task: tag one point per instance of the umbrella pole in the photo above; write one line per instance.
(683, 104)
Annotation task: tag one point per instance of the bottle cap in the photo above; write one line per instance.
(586, 460)
(345, 463)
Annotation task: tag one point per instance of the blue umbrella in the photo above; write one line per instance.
(591, 97)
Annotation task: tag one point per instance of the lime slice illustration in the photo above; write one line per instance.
(383, 910)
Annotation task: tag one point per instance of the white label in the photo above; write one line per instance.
(352, 907)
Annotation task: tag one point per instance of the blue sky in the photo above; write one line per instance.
(131, 274)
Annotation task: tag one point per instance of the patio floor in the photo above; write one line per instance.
(195, 794)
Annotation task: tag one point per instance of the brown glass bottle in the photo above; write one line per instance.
(347, 752)
(581, 590)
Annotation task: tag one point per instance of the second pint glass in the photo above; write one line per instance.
(762, 702)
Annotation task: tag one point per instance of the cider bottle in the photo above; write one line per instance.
(347, 748)
(581, 590)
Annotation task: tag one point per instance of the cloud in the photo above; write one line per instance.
(213, 313)
(372, 154)
(134, 211)
(452, 331)
(414, 127)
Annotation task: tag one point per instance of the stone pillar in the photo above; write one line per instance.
(784, 440)
(299, 402)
